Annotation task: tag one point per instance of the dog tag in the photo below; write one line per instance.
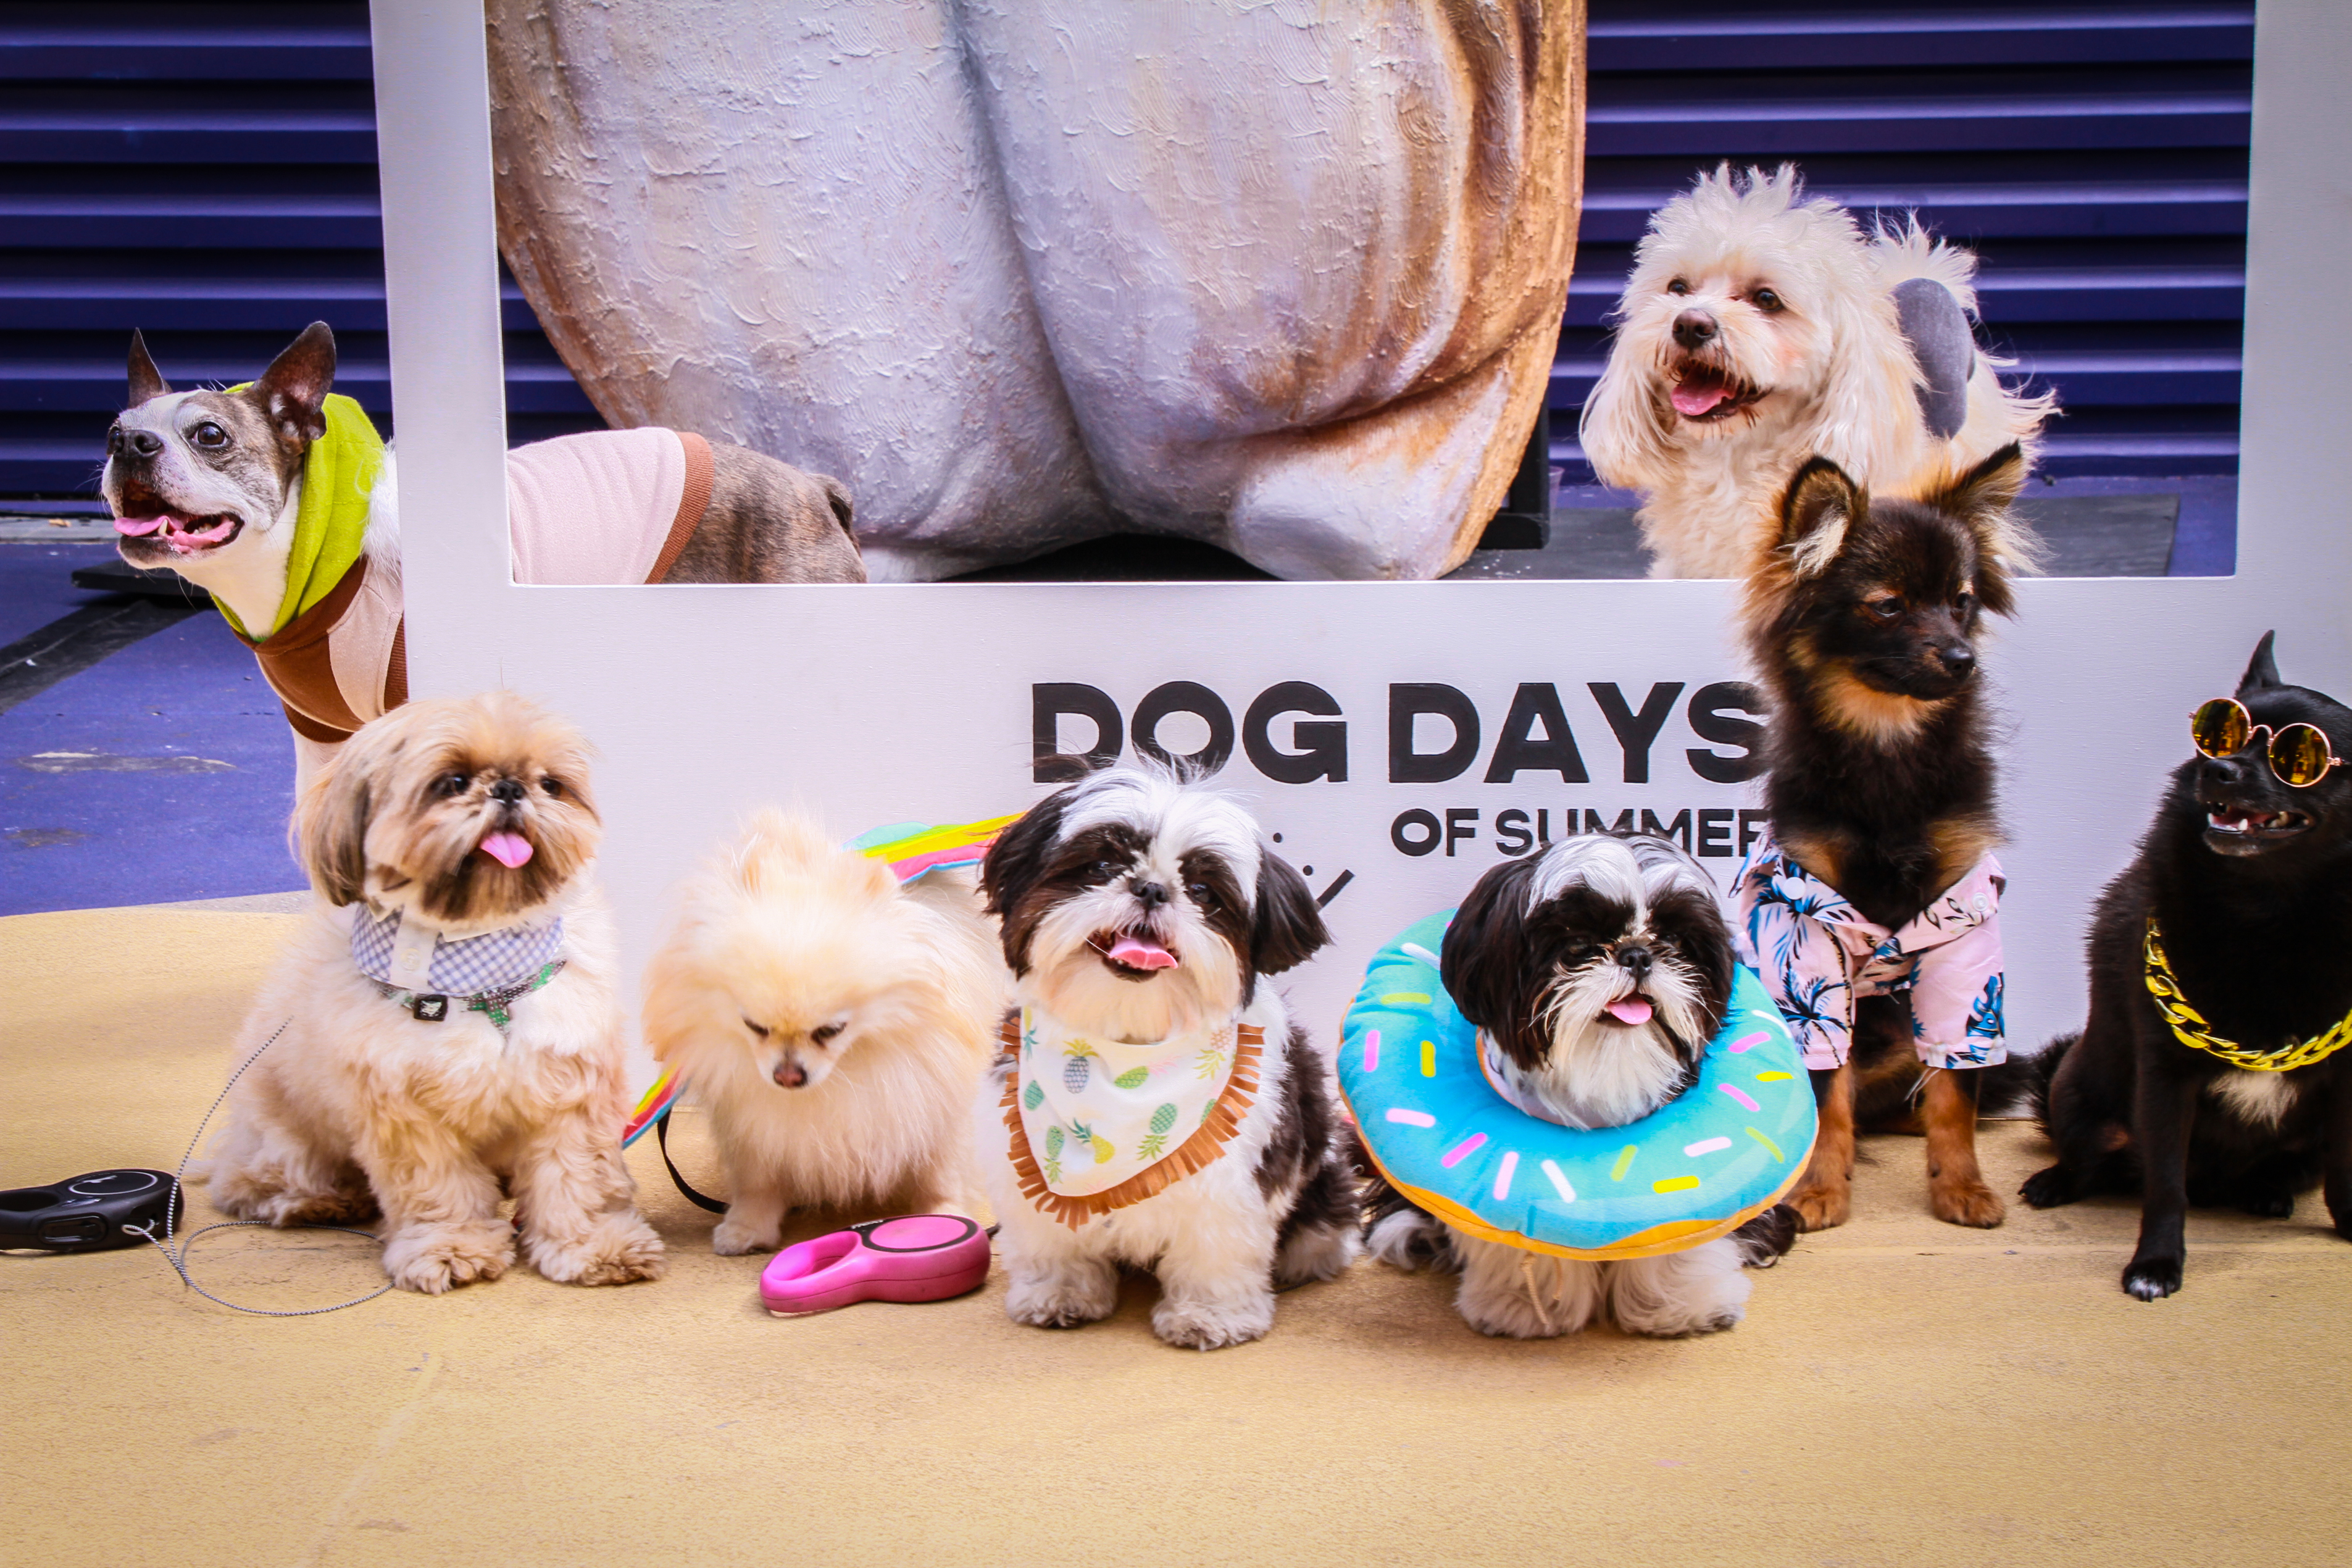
(429, 1009)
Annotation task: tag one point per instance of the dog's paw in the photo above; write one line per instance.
(1684, 1325)
(2152, 1279)
(1763, 1241)
(1821, 1207)
(1411, 1240)
(734, 1237)
(1208, 1325)
(432, 1258)
(1318, 1252)
(244, 1196)
(1508, 1311)
(616, 1251)
(1966, 1203)
(2278, 1205)
(1701, 1291)
(1062, 1299)
(2047, 1189)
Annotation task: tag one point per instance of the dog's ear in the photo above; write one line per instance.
(1013, 865)
(329, 834)
(2261, 670)
(1483, 957)
(1820, 504)
(1623, 427)
(1696, 919)
(1983, 499)
(146, 381)
(1289, 929)
(1064, 767)
(293, 391)
(837, 496)
(1988, 489)
(1937, 330)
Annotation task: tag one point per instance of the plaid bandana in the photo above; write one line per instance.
(514, 959)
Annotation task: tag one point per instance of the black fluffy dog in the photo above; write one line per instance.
(2247, 881)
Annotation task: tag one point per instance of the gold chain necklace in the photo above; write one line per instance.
(2189, 1027)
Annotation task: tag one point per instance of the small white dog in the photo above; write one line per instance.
(443, 1032)
(1154, 1106)
(1597, 971)
(1759, 329)
(834, 1023)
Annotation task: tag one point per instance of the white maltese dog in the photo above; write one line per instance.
(1760, 329)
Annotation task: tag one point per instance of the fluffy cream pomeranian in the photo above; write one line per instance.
(1760, 329)
(443, 1032)
(836, 1023)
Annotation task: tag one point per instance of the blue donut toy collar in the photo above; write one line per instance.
(1721, 1153)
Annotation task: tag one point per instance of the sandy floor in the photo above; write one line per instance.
(1903, 1392)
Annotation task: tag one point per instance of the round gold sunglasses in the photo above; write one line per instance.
(2299, 755)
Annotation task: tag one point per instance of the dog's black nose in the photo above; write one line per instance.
(507, 791)
(1695, 329)
(1635, 958)
(143, 443)
(1957, 658)
(1151, 894)
(2223, 771)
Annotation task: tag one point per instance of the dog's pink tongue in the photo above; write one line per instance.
(1136, 953)
(1691, 401)
(508, 849)
(1630, 1009)
(136, 526)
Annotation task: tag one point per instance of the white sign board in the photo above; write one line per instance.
(1569, 701)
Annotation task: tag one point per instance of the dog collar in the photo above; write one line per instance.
(2189, 1027)
(433, 1006)
(1097, 1125)
(425, 969)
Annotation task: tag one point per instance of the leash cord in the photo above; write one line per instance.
(178, 1198)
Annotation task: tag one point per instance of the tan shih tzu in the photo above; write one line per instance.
(444, 1033)
(834, 1023)
(1760, 329)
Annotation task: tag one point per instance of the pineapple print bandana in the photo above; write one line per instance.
(1097, 1125)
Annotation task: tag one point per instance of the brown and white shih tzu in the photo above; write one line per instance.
(833, 1022)
(1759, 329)
(442, 1032)
(1596, 970)
(1153, 1105)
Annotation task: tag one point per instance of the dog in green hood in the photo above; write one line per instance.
(280, 499)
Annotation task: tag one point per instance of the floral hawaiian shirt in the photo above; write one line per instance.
(1818, 955)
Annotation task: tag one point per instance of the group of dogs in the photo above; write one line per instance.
(1085, 1038)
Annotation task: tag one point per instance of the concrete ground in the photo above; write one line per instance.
(1901, 1392)
(164, 771)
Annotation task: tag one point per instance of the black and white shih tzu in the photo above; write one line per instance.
(1596, 970)
(1153, 1105)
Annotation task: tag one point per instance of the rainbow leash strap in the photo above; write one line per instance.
(914, 850)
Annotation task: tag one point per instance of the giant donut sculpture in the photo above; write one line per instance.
(1720, 1154)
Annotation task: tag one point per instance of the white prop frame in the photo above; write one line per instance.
(882, 703)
